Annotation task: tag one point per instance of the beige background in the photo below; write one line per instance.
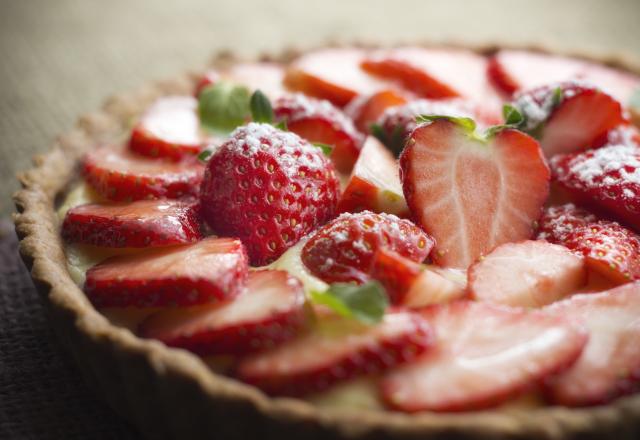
(60, 58)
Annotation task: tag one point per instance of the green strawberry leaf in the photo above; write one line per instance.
(223, 106)
(512, 115)
(204, 155)
(282, 125)
(365, 303)
(261, 110)
(467, 123)
(326, 148)
(556, 99)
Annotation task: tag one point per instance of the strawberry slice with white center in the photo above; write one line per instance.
(606, 180)
(610, 364)
(484, 355)
(332, 74)
(320, 121)
(467, 192)
(527, 274)
(144, 223)
(169, 128)
(437, 73)
(263, 75)
(121, 175)
(210, 270)
(366, 109)
(337, 349)
(374, 184)
(568, 116)
(412, 284)
(269, 311)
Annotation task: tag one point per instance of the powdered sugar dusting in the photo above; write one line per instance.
(606, 167)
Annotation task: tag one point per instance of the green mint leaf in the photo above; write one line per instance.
(223, 106)
(204, 155)
(261, 110)
(466, 123)
(512, 115)
(282, 125)
(365, 303)
(634, 101)
(326, 149)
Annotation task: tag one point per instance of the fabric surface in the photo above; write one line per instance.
(42, 395)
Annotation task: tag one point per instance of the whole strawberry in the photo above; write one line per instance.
(268, 188)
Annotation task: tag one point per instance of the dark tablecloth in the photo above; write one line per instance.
(41, 392)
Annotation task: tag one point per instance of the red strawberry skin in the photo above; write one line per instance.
(124, 176)
(557, 223)
(144, 223)
(484, 355)
(320, 121)
(236, 326)
(568, 116)
(343, 250)
(209, 78)
(395, 272)
(468, 193)
(366, 109)
(210, 270)
(269, 188)
(625, 134)
(605, 180)
(170, 128)
(341, 350)
(609, 366)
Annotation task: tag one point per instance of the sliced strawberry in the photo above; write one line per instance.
(625, 134)
(145, 223)
(120, 175)
(437, 73)
(336, 350)
(366, 109)
(343, 249)
(396, 124)
(169, 128)
(606, 180)
(411, 284)
(610, 363)
(320, 121)
(269, 311)
(332, 74)
(527, 274)
(467, 192)
(210, 77)
(568, 116)
(374, 184)
(210, 270)
(513, 70)
(484, 355)
(263, 75)
(269, 188)
(609, 249)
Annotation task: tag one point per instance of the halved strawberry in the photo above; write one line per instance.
(437, 73)
(145, 223)
(467, 192)
(436, 285)
(343, 249)
(269, 311)
(320, 121)
(210, 270)
(263, 75)
(169, 128)
(396, 124)
(606, 180)
(527, 274)
(514, 70)
(366, 109)
(374, 184)
(336, 350)
(610, 363)
(484, 355)
(121, 175)
(411, 284)
(332, 74)
(609, 249)
(269, 188)
(568, 116)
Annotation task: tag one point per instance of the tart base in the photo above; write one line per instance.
(170, 393)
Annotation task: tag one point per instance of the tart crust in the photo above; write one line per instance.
(170, 393)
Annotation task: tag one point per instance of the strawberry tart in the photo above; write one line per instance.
(409, 242)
